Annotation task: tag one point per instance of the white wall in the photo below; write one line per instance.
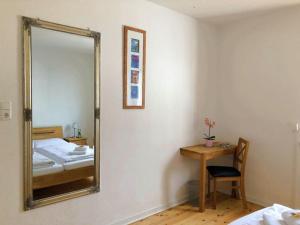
(141, 168)
(62, 82)
(258, 98)
(297, 175)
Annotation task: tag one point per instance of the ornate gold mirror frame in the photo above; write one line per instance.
(28, 23)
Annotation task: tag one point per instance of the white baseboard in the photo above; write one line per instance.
(155, 210)
(259, 201)
(149, 212)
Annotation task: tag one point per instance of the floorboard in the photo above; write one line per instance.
(228, 209)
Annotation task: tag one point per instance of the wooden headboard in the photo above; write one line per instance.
(47, 132)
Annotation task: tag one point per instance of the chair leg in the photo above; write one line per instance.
(243, 194)
(208, 185)
(235, 192)
(215, 194)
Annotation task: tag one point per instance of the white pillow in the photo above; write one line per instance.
(48, 142)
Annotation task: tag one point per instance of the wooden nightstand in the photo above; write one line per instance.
(75, 140)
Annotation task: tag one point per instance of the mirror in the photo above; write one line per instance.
(61, 112)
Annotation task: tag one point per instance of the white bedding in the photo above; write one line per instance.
(47, 142)
(79, 164)
(61, 153)
(48, 170)
(256, 218)
(41, 161)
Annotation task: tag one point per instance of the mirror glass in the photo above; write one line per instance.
(63, 122)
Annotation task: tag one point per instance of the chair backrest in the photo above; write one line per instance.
(240, 155)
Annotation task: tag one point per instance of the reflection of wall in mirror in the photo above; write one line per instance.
(63, 88)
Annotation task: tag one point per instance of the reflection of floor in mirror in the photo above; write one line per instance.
(62, 188)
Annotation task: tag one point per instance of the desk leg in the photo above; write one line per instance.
(202, 184)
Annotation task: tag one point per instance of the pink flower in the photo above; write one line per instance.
(209, 123)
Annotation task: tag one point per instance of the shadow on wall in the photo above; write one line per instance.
(68, 131)
(183, 169)
(177, 170)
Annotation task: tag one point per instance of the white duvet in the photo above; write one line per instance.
(47, 170)
(42, 165)
(40, 161)
(61, 153)
(257, 218)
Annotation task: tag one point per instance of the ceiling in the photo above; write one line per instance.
(220, 11)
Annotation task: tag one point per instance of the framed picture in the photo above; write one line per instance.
(134, 67)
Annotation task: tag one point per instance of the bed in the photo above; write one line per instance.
(62, 152)
(258, 217)
(43, 165)
(60, 172)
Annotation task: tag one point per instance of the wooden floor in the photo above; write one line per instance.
(62, 188)
(228, 209)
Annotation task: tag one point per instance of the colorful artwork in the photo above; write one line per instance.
(134, 76)
(135, 45)
(134, 92)
(135, 61)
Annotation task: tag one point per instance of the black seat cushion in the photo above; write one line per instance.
(223, 171)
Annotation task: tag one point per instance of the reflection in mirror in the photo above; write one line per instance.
(62, 112)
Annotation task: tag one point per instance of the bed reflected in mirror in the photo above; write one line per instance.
(60, 165)
(64, 123)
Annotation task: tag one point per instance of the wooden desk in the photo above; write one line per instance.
(202, 153)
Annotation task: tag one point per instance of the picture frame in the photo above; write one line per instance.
(134, 68)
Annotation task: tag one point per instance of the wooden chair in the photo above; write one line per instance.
(235, 174)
